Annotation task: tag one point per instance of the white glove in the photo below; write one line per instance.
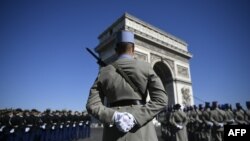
(53, 127)
(124, 121)
(179, 126)
(1, 129)
(221, 125)
(27, 129)
(210, 123)
(232, 120)
(12, 130)
(43, 126)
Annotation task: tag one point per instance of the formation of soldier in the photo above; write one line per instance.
(201, 123)
(32, 125)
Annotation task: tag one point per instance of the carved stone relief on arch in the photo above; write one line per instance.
(186, 96)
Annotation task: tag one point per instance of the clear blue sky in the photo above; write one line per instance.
(43, 63)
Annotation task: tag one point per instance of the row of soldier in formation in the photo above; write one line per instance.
(201, 123)
(32, 125)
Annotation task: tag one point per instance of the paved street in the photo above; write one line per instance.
(96, 134)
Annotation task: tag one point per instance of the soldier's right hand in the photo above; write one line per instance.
(221, 125)
(124, 121)
(12, 130)
(179, 126)
(210, 124)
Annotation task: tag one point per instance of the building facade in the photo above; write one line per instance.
(168, 55)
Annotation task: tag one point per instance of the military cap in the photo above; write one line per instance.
(248, 103)
(200, 106)
(177, 106)
(226, 106)
(26, 111)
(125, 36)
(207, 104)
(238, 105)
(47, 111)
(214, 103)
(18, 110)
(195, 107)
(34, 110)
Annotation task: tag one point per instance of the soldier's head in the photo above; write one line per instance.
(226, 106)
(47, 111)
(207, 105)
(191, 108)
(125, 43)
(248, 104)
(238, 106)
(18, 111)
(177, 106)
(34, 112)
(26, 113)
(185, 109)
(214, 104)
(195, 107)
(69, 112)
(200, 107)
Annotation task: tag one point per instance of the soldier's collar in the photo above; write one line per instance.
(125, 56)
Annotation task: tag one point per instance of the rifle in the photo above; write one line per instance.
(99, 60)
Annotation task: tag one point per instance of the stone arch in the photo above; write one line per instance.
(164, 71)
(153, 62)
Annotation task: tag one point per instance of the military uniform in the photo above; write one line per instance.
(240, 115)
(207, 128)
(46, 133)
(166, 126)
(115, 88)
(200, 129)
(229, 115)
(5, 126)
(179, 121)
(218, 118)
(17, 126)
(193, 124)
(247, 114)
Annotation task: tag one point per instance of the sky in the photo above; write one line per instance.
(44, 64)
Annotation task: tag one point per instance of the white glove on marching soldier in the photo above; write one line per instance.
(27, 129)
(210, 124)
(179, 126)
(12, 130)
(221, 125)
(124, 121)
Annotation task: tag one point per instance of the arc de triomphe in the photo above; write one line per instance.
(167, 54)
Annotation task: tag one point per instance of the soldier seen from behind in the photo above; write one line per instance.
(239, 115)
(128, 116)
(229, 115)
(247, 114)
(207, 123)
(218, 119)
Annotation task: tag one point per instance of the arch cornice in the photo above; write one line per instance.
(170, 64)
